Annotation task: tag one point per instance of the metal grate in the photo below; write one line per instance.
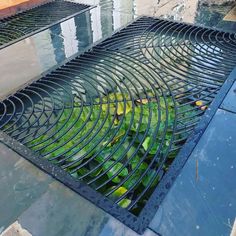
(35, 19)
(116, 117)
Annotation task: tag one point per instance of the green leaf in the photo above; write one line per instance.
(75, 175)
(82, 171)
(119, 192)
(57, 152)
(132, 180)
(117, 167)
(124, 203)
(123, 107)
(120, 109)
(116, 180)
(93, 166)
(124, 172)
(131, 151)
(153, 143)
(148, 177)
(117, 155)
(76, 156)
(135, 161)
(146, 143)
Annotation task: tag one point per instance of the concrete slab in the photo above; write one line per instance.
(21, 183)
(205, 205)
(229, 102)
(60, 211)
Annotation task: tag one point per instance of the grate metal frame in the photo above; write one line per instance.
(40, 29)
(137, 223)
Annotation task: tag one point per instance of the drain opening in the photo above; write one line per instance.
(116, 117)
(31, 21)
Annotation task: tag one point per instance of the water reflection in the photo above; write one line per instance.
(57, 42)
(80, 32)
(62, 41)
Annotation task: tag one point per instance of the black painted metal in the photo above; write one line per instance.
(24, 24)
(116, 117)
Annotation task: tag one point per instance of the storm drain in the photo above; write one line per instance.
(115, 118)
(31, 21)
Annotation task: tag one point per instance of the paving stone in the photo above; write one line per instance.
(21, 183)
(204, 205)
(229, 102)
(60, 211)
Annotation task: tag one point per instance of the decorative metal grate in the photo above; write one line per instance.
(116, 117)
(31, 21)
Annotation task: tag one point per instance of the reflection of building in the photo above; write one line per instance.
(123, 13)
(84, 32)
(96, 24)
(68, 32)
(57, 42)
(71, 36)
(106, 17)
(44, 50)
(76, 34)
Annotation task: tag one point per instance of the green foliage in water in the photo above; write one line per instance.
(108, 141)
